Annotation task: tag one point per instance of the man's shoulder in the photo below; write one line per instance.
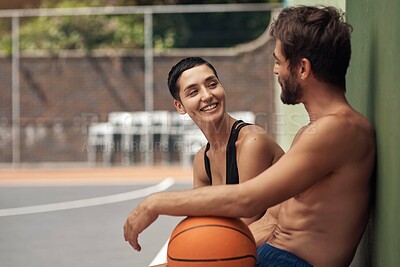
(346, 121)
(346, 130)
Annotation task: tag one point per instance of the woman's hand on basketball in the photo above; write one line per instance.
(138, 220)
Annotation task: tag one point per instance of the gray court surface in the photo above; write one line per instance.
(71, 235)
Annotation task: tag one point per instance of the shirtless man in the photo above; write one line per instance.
(323, 182)
(197, 91)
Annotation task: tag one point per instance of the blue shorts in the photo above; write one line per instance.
(270, 256)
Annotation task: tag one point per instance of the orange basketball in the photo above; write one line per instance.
(211, 242)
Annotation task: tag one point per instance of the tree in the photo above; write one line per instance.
(127, 32)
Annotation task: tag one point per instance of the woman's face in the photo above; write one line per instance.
(202, 95)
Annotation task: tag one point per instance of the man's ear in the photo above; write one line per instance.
(305, 68)
(179, 107)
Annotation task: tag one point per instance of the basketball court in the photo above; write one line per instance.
(75, 217)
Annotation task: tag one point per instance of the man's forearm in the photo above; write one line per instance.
(237, 201)
(223, 200)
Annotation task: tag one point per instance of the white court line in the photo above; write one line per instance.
(161, 256)
(89, 202)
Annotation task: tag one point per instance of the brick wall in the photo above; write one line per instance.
(62, 94)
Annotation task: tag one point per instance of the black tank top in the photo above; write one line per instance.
(232, 174)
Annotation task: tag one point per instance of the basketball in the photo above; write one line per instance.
(211, 242)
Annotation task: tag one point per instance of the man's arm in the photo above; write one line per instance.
(314, 155)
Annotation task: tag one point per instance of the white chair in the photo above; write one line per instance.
(134, 130)
(158, 134)
(122, 124)
(120, 120)
(100, 135)
(179, 126)
(246, 116)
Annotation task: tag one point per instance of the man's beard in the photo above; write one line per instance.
(292, 91)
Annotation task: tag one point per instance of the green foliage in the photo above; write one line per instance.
(86, 33)
(191, 2)
(209, 29)
(5, 40)
(75, 32)
(82, 32)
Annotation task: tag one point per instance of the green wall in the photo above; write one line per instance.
(373, 89)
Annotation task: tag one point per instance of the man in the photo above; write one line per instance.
(323, 182)
(197, 91)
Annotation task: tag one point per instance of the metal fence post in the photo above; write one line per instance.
(16, 151)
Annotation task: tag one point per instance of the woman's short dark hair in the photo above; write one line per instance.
(179, 68)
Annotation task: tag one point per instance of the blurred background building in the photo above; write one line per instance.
(75, 70)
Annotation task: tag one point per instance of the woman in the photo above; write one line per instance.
(236, 151)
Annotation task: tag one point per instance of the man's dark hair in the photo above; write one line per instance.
(318, 34)
(181, 66)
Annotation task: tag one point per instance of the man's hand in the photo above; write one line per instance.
(138, 220)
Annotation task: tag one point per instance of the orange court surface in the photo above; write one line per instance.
(94, 174)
